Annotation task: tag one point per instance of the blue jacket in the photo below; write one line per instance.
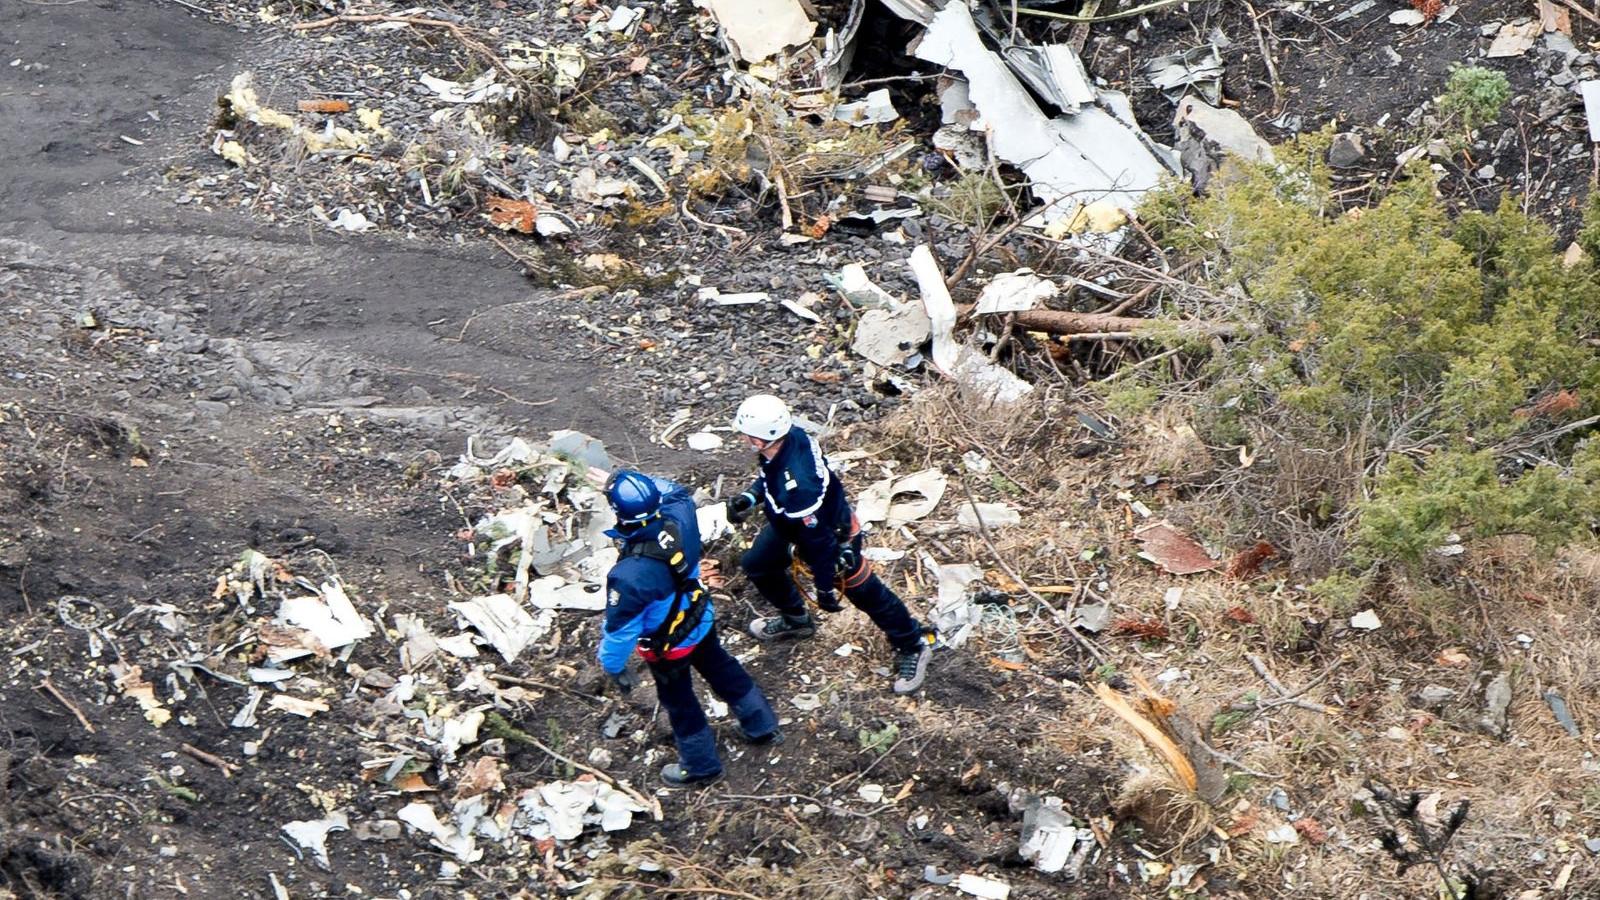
(805, 502)
(640, 590)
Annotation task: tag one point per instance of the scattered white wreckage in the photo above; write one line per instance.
(1091, 154)
(550, 537)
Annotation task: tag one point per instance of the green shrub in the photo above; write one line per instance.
(1474, 96)
(1341, 593)
(1399, 344)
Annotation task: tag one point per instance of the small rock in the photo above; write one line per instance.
(1433, 695)
(614, 725)
(1563, 78)
(1592, 845)
(377, 830)
(1283, 834)
(1496, 701)
(1486, 173)
(1346, 150)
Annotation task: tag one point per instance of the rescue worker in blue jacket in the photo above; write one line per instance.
(809, 515)
(656, 605)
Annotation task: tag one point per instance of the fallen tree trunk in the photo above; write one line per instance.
(1057, 321)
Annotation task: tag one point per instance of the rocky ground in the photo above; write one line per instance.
(193, 363)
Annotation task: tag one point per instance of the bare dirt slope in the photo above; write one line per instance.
(177, 384)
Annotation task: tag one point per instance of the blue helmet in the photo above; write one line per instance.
(634, 497)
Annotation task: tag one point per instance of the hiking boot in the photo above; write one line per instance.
(674, 776)
(782, 628)
(771, 739)
(911, 667)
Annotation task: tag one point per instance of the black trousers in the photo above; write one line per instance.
(766, 564)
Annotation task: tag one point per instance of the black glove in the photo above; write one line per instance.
(739, 506)
(625, 680)
(829, 600)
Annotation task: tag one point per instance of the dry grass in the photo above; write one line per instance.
(1533, 792)
(1172, 816)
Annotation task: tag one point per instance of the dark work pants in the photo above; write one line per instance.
(697, 745)
(766, 564)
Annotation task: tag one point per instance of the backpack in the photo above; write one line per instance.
(690, 599)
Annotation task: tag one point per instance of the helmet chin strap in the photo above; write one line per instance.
(630, 527)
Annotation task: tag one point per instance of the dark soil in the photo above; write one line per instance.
(178, 384)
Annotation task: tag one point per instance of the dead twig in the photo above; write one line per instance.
(502, 394)
(61, 698)
(1287, 696)
(106, 796)
(853, 777)
(1058, 615)
(668, 889)
(1266, 53)
(840, 810)
(529, 682)
(727, 231)
(501, 728)
(516, 256)
(183, 3)
(1139, 365)
(228, 769)
(1108, 17)
(472, 44)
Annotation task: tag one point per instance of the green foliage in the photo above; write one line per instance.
(1474, 96)
(1416, 509)
(1129, 398)
(881, 740)
(973, 200)
(174, 789)
(1004, 485)
(1227, 720)
(1399, 345)
(1589, 234)
(1341, 593)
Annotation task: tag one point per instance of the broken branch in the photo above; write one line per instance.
(1059, 321)
(499, 727)
(61, 698)
(529, 682)
(228, 768)
(1573, 5)
(1286, 696)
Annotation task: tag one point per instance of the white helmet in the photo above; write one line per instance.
(763, 416)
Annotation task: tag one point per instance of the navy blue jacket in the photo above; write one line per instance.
(805, 502)
(640, 590)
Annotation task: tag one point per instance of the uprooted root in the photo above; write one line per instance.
(1172, 816)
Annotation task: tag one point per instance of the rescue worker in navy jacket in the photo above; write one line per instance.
(656, 605)
(808, 515)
